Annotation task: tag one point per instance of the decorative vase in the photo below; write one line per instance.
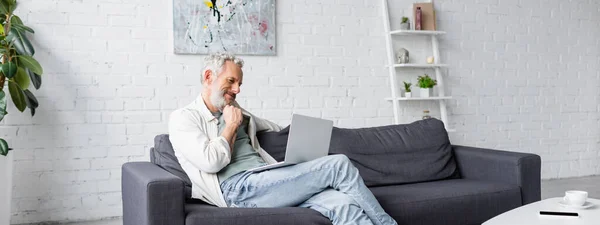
(426, 92)
(6, 167)
(418, 18)
(408, 94)
(404, 26)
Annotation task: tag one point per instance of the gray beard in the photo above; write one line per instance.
(217, 99)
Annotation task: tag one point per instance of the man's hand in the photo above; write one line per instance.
(233, 119)
(232, 116)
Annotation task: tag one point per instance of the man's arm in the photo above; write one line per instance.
(230, 133)
(233, 119)
(193, 143)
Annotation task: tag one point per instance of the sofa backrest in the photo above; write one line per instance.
(386, 155)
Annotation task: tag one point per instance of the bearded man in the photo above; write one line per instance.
(215, 142)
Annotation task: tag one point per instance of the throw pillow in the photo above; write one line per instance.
(274, 143)
(398, 154)
(163, 155)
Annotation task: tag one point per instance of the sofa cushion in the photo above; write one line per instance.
(456, 201)
(163, 155)
(200, 214)
(274, 143)
(387, 155)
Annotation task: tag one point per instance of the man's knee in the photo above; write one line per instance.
(341, 161)
(340, 158)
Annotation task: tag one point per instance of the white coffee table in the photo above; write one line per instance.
(530, 214)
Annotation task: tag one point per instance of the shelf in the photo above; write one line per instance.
(417, 32)
(419, 98)
(408, 65)
(394, 68)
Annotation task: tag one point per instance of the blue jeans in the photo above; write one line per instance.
(330, 185)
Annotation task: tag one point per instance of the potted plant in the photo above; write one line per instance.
(408, 92)
(404, 25)
(426, 84)
(18, 69)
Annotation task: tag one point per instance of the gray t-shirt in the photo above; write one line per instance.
(244, 157)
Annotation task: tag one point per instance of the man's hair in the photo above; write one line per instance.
(215, 61)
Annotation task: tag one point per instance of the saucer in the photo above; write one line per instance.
(584, 206)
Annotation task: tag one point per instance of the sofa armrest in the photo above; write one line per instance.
(151, 195)
(522, 169)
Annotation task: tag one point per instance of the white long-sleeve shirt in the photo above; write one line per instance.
(193, 132)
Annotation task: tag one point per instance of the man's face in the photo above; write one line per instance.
(226, 86)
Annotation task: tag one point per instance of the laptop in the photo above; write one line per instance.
(308, 139)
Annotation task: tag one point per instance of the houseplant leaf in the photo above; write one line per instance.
(3, 147)
(22, 78)
(14, 40)
(21, 42)
(32, 102)
(31, 64)
(9, 69)
(2, 105)
(22, 28)
(17, 95)
(16, 20)
(35, 79)
(12, 5)
(4, 7)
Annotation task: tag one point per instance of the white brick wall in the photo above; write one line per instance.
(524, 74)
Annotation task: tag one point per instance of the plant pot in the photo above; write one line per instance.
(6, 175)
(426, 92)
(404, 26)
(408, 94)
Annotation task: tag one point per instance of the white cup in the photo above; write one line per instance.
(576, 198)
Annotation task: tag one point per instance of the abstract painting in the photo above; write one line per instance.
(244, 27)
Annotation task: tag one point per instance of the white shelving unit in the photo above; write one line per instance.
(437, 66)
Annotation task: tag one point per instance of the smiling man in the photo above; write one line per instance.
(215, 142)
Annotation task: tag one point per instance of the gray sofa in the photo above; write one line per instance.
(412, 169)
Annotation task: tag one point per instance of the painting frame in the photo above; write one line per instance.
(241, 27)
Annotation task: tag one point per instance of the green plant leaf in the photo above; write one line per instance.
(407, 86)
(22, 28)
(4, 7)
(9, 69)
(3, 147)
(17, 95)
(32, 102)
(2, 105)
(22, 78)
(16, 20)
(12, 5)
(21, 42)
(426, 82)
(31, 64)
(35, 79)
(2, 30)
